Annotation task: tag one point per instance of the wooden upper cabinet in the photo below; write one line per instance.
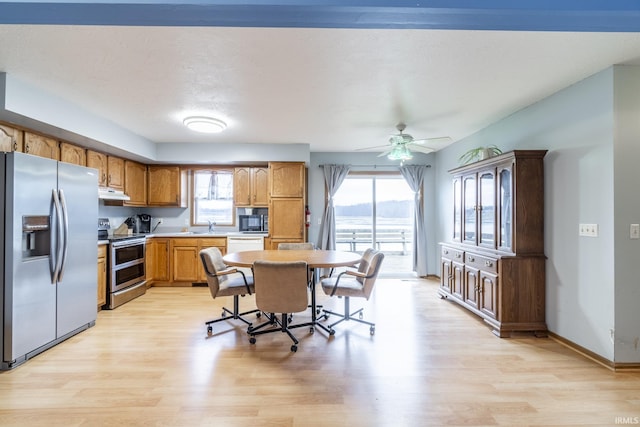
(167, 186)
(287, 179)
(98, 161)
(115, 173)
(135, 183)
(42, 146)
(11, 139)
(70, 153)
(251, 186)
(286, 219)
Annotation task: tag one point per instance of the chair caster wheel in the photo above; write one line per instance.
(332, 332)
(290, 319)
(294, 348)
(258, 315)
(360, 316)
(249, 329)
(209, 331)
(372, 330)
(326, 317)
(252, 340)
(318, 311)
(312, 330)
(223, 314)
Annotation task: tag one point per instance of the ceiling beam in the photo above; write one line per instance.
(521, 15)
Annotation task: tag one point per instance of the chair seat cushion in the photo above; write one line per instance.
(347, 287)
(235, 286)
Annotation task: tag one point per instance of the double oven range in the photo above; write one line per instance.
(127, 276)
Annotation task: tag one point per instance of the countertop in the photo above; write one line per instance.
(196, 234)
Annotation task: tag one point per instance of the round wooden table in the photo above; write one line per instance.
(314, 258)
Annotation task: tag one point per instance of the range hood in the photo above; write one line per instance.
(111, 194)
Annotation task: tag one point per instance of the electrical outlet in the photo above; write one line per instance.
(634, 231)
(588, 230)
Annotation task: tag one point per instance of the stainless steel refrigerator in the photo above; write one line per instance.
(49, 254)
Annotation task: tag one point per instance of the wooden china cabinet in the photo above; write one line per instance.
(494, 264)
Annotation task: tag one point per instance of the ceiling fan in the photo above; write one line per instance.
(402, 144)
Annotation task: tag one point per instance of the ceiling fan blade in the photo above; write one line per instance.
(436, 140)
(384, 153)
(420, 148)
(372, 148)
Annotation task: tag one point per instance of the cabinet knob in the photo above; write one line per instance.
(446, 252)
(458, 255)
(15, 146)
(471, 259)
(488, 264)
(26, 148)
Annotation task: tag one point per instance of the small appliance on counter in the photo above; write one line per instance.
(139, 224)
(255, 221)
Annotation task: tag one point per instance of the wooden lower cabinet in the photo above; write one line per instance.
(176, 261)
(102, 275)
(508, 292)
(184, 260)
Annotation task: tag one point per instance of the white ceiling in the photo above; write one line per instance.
(334, 89)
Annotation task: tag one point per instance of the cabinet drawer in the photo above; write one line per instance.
(453, 254)
(490, 265)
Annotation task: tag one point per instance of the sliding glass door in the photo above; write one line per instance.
(376, 211)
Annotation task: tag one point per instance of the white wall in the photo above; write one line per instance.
(576, 126)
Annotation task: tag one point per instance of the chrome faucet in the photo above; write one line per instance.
(211, 224)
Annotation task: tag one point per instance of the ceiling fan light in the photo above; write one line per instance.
(204, 124)
(400, 152)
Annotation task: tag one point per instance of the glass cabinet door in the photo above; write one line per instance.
(470, 204)
(505, 184)
(457, 211)
(487, 209)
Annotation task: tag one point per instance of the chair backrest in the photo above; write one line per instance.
(296, 246)
(370, 264)
(281, 287)
(365, 262)
(212, 263)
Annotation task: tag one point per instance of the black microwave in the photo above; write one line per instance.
(259, 223)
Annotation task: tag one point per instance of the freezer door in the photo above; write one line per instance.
(29, 306)
(77, 288)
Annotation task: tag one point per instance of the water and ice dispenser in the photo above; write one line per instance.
(36, 236)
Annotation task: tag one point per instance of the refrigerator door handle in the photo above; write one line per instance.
(57, 251)
(65, 233)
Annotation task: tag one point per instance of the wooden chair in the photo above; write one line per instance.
(281, 287)
(352, 283)
(222, 284)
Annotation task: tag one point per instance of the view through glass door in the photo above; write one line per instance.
(377, 211)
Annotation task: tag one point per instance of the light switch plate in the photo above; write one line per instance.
(634, 231)
(588, 230)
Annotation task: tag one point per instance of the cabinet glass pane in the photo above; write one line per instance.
(488, 210)
(506, 211)
(457, 211)
(469, 191)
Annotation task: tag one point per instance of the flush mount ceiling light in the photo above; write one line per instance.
(204, 124)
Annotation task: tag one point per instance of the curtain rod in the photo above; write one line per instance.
(377, 166)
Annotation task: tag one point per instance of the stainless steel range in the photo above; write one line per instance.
(127, 276)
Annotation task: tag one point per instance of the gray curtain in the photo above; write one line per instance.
(334, 175)
(414, 175)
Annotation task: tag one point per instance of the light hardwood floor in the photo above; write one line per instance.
(150, 363)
